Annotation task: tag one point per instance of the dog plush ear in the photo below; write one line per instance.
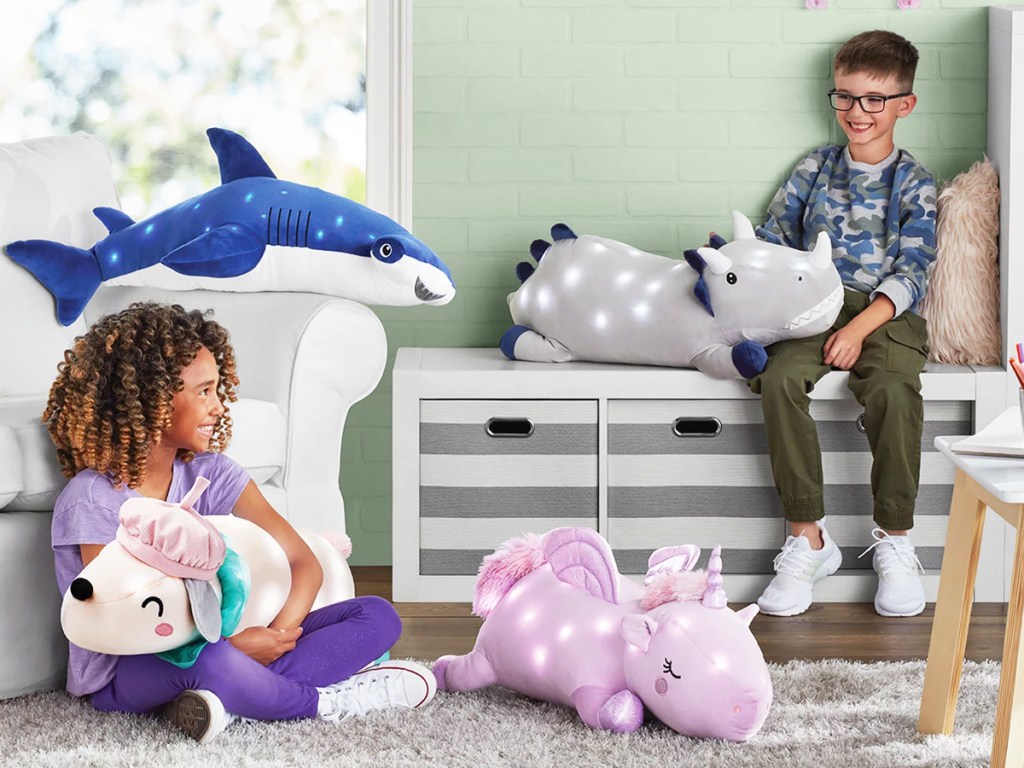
(205, 608)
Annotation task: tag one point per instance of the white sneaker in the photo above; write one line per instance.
(391, 685)
(798, 568)
(199, 714)
(900, 591)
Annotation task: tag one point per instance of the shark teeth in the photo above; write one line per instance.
(423, 294)
(829, 303)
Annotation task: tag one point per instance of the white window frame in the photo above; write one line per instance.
(389, 108)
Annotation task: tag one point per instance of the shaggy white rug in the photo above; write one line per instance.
(833, 713)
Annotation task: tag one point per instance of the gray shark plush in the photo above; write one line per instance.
(600, 300)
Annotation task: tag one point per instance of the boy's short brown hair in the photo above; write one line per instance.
(881, 53)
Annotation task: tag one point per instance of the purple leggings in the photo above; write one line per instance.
(336, 642)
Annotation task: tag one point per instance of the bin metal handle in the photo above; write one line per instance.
(498, 426)
(696, 426)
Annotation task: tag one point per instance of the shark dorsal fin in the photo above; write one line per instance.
(113, 219)
(237, 157)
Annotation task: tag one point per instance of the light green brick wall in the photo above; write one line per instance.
(646, 121)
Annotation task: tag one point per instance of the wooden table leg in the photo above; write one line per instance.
(952, 609)
(1008, 740)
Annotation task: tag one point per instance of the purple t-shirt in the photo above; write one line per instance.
(86, 512)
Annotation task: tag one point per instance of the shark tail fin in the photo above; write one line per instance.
(70, 274)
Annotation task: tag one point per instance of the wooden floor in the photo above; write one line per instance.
(829, 630)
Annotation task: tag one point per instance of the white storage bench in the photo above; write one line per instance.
(486, 449)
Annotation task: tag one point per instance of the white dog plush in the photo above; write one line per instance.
(173, 579)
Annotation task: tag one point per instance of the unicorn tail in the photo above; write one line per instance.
(504, 567)
(340, 542)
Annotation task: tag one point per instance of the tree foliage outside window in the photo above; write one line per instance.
(148, 77)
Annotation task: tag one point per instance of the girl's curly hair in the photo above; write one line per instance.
(111, 400)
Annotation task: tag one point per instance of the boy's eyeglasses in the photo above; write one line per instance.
(843, 102)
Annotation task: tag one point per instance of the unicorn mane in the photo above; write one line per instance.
(674, 586)
(510, 562)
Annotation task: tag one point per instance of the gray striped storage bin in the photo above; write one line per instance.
(697, 471)
(494, 469)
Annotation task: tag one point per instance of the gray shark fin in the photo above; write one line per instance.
(113, 219)
(238, 158)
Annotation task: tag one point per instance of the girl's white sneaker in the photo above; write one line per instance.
(391, 685)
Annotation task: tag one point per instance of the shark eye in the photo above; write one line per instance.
(388, 253)
(667, 667)
(159, 605)
(731, 278)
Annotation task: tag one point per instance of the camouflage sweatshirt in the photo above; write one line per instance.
(881, 219)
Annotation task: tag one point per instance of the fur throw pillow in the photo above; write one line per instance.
(962, 300)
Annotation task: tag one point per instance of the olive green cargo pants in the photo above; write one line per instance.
(886, 381)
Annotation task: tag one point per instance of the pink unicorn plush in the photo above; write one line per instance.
(561, 625)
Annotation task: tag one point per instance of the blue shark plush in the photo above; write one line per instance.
(223, 233)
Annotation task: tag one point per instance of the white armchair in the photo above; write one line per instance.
(303, 360)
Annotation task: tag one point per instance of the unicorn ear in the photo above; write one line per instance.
(742, 229)
(638, 629)
(678, 558)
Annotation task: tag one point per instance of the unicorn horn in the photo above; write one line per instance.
(714, 594)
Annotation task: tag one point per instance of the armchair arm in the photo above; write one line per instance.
(313, 356)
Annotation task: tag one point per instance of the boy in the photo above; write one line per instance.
(878, 205)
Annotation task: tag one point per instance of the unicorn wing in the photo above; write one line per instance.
(581, 557)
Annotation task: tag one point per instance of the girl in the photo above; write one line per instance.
(138, 408)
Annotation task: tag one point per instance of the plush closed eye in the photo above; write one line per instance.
(668, 668)
(159, 605)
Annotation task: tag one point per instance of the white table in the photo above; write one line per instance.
(996, 483)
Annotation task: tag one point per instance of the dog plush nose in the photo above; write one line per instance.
(81, 589)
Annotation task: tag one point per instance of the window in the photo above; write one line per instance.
(149, 77)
